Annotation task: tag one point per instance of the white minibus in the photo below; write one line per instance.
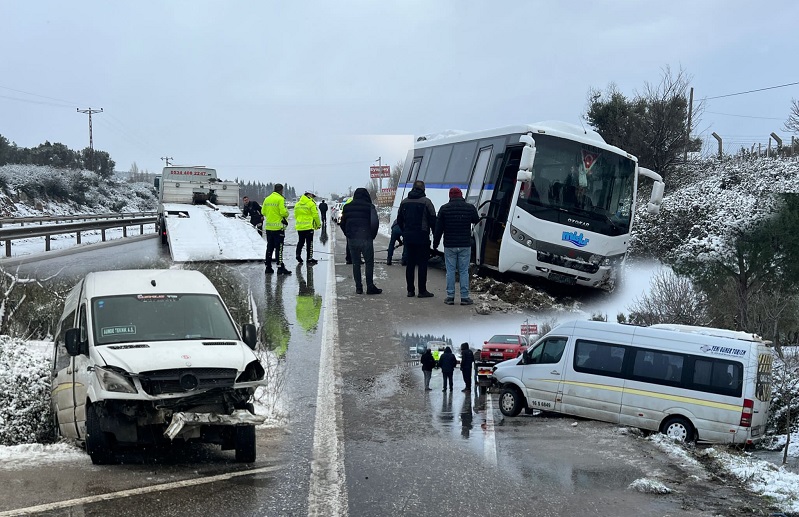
(690, 383)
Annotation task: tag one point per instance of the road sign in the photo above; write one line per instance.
(380, 171)
(530, 329)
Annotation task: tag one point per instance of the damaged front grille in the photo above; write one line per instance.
(185, 380)
(560, 260)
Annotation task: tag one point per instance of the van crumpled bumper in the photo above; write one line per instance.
(184, 418)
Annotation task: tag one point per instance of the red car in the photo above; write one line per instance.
(502, 347)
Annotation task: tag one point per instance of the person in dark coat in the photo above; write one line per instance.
(428, 363)
(467, 360)
(323, 211)
(454, 222)
(417, 218)
(252, 210)
(447, 363)
(359, 222)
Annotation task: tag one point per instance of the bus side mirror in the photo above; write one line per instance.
(73, 344)
(249, 334)
(157, 182)
(528, 155)
(653, 207)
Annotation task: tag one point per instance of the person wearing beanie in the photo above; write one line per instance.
(417, 218)
(454, 223)
(360, 223)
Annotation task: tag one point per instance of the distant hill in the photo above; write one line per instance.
(30, 190)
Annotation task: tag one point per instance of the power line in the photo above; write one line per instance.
(31, 101)
(743, 116)
(750, 91)
(37, 95)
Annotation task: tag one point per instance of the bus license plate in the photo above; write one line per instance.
(561, 278)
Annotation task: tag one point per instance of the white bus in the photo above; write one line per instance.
(556, 201)
(690, 383)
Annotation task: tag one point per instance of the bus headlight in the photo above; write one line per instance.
(114, 379)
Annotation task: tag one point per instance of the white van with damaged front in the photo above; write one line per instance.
(146, 356)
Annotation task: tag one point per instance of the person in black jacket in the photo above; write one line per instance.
(252, 210)
(454, 222)
(428, 363)
(467, 360)
(359, 222)
(447, 363)
(417, 218)
(323, 212)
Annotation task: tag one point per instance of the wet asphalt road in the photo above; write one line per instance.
(404, 451)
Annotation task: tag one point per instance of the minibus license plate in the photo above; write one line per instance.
(563, 279)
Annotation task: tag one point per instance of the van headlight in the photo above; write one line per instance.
(114, 379)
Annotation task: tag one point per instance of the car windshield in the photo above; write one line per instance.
(504, 339)
(160, 317)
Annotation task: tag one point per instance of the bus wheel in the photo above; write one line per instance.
(97, 443)
(510, 401)
(679, 429)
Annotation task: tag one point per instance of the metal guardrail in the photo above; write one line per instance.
(89, 222)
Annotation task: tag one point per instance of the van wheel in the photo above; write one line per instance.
(245, 443)
(510, 402)
(97, 443)
(679, 429)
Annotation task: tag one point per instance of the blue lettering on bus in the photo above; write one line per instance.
(578, 240)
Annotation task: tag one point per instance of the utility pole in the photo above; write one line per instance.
(688, 129)
(166, 159)
(91, 141)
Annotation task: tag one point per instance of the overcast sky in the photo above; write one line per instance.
(312, 93)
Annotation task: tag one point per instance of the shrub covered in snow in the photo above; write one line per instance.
(25, 414)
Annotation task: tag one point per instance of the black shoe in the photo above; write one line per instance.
(269, 270)
(312, 262)
(411, 294)
(467, 301)
(428, 389)
(445, 389)
(466, 389)
(388, 262)
(449, 301)
(425, 294)
(349, 262)
(359, 290)
(283, 271)
(403, 263)
(299, 260)
(374, 290)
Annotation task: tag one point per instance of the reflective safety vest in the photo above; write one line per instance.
(274, 210)
(306, 215)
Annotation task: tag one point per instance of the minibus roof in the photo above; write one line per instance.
(730, 334)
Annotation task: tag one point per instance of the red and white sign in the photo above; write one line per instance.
(530, 329)
(589, 159)
(391, 191)
(380, 171)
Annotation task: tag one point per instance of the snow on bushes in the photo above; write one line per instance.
(25, 414)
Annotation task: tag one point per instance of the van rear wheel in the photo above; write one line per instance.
(679, 429)
(510, 402)
(97, 443)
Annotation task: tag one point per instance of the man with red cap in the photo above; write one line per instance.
(454, 222)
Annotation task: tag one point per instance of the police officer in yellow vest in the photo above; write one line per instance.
(275, 221)
(306, 220)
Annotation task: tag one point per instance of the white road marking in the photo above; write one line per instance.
(135, 491)
(327, 494)
(489, 440)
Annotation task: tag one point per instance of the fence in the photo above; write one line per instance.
(47, 226)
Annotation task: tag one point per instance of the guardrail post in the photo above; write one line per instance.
(77, 234)
(141, 229)
(102, 234)
(8, 248)
(124, 231)
(46, 243)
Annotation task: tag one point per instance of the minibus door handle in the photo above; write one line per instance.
(555, 372)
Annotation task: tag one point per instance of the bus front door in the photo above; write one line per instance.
(493, 226)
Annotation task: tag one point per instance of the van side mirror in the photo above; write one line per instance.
(249, 335)
(73, 344)
(157, 182)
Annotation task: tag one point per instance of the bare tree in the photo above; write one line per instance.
(785, 383)
(792, 124)
(396, 174)
(671, 299)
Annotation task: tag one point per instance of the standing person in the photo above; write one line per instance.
(417, 218)
(306, 220)
(467, 360)
(395, 241)
(447, 363)
(323, 210)
(275, 222)
(454, 221)
(252, 210)
(428, 363)
(347, 258)
(359, 222)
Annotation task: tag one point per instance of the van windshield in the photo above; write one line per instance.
(160, 317)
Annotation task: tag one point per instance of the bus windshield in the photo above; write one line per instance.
(160, 317)
(575, 179)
